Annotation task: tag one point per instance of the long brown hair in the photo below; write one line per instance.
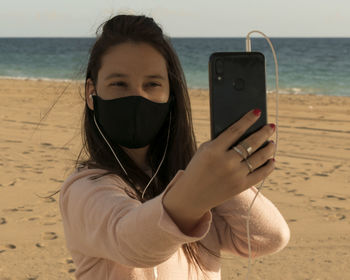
(139, 28)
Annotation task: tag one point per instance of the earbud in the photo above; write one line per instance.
(90, 97)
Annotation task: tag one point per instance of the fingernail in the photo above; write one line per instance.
(273, 159)
(257, 112)
(273, 126)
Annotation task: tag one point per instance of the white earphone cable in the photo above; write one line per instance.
(155, 271)
(248, 49)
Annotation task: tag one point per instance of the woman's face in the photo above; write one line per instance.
(131, 69)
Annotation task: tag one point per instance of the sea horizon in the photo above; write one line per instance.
(307, 65)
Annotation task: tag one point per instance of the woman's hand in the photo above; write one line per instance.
(215, 173)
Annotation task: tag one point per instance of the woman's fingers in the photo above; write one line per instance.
(229, 136)
(261, 173)
(256, 140)
(257, 159)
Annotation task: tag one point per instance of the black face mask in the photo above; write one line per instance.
(131, 121)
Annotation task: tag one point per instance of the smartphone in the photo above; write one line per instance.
(237, 84)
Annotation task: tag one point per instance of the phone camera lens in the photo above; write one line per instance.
(219, 66)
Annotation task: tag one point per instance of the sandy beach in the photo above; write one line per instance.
(310, 185)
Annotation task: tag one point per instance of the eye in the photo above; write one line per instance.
(154, 84)
(119, 83)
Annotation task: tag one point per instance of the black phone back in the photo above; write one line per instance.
(237, 84)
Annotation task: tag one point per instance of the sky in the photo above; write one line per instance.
(179, 18)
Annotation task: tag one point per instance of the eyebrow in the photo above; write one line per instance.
(117, 75)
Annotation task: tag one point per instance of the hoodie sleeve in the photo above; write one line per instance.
(269, 232)
(101, 220)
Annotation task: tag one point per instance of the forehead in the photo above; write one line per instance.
(133, 58)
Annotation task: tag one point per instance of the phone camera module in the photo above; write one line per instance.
(219, 66)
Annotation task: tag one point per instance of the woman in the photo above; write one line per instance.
(146, 204)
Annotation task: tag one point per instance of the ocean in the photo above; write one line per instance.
(306, 65)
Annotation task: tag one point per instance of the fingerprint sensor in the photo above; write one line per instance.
(238, 84)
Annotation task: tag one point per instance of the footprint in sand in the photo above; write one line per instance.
(56, 180)
(49, 223)
(39, 245)
(2, 221)
(320, 174)
(45, 144)
(12, 183)
(12, 141)
(277, 168)
(50, 215)
(293, 190)
(23, 166)
(336, 197)
(10, 210)
(49, 235)
(70, 263)
(5, 148)
(10, 246)
(49, 199)
(21, 208)
(334, 217)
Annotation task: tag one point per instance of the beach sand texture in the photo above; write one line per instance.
(310, 185)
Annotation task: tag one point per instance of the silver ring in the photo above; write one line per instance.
(249, 165)
(246, 147)
(239, 151)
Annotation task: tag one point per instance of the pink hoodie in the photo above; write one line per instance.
(114, 237)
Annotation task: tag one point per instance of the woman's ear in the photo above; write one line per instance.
(89, 91)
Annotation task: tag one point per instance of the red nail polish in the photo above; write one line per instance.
(257, 112)
(273, 126)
